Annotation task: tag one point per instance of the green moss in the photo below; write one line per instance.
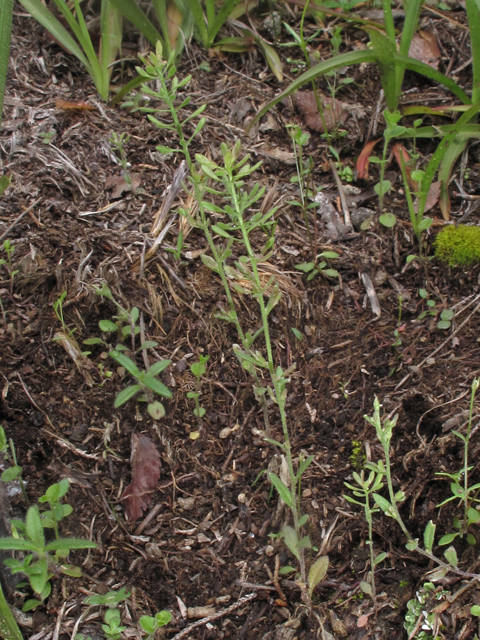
(458, 246)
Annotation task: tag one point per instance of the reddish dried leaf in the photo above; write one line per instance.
(400, 149)
(424, 48)
(362, 621)
(334, 112)
(433, 195)
(145, 461)
(73, 106)
(364, 158)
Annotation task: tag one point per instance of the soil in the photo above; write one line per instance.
(204, 545)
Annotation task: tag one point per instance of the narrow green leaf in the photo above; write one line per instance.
(126, 362)
(157, 386)
(282, 489)
(70, 543)
(125, 395)
(429, 536)
(134, 14)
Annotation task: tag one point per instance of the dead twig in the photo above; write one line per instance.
(216, 616)
(15, 222)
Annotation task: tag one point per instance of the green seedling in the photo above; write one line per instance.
(384, 430)
(124, 324)
(110, 599)
(345, 173)
(198, 369)
(15, 471)
(112, 626)
(446, 316)
(58, 510)
(466, 494)
(298, 334)
(146, 380)
(150, 624)
(58, 308)
(42, 560)
(117, 143)
(316, 267)
(9, 249)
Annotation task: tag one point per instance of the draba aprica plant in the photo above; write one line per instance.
(226, 217)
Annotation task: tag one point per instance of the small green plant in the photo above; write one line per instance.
(150, 624)
(345, 172)
(112, 626)
(9, 249)
(15, 471)
(446, 315)
(44, 561)
(461, 489)
(363, 492)
(316, 267)
(58, 308)
(198, 369)
(118, 142)
(124, 324)
(458, 246)
(421, 623)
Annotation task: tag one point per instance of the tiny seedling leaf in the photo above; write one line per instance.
(388, 220)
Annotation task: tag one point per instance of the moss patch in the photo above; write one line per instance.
(458, 246)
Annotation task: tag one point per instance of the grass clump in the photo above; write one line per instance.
(458, 246)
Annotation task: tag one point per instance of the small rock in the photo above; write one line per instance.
(359, 215)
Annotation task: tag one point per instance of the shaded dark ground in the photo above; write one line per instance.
(208, 541)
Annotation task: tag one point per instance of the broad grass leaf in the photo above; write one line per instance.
(145, 461)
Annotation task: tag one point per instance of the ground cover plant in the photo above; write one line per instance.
(305, 463)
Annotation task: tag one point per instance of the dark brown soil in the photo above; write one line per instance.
(208, 544)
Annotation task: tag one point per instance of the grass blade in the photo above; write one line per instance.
(473, 13)
(134, 14)
(58, 31)
(197, 12)
(110, 43)
(8, 625)
(6, 12)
